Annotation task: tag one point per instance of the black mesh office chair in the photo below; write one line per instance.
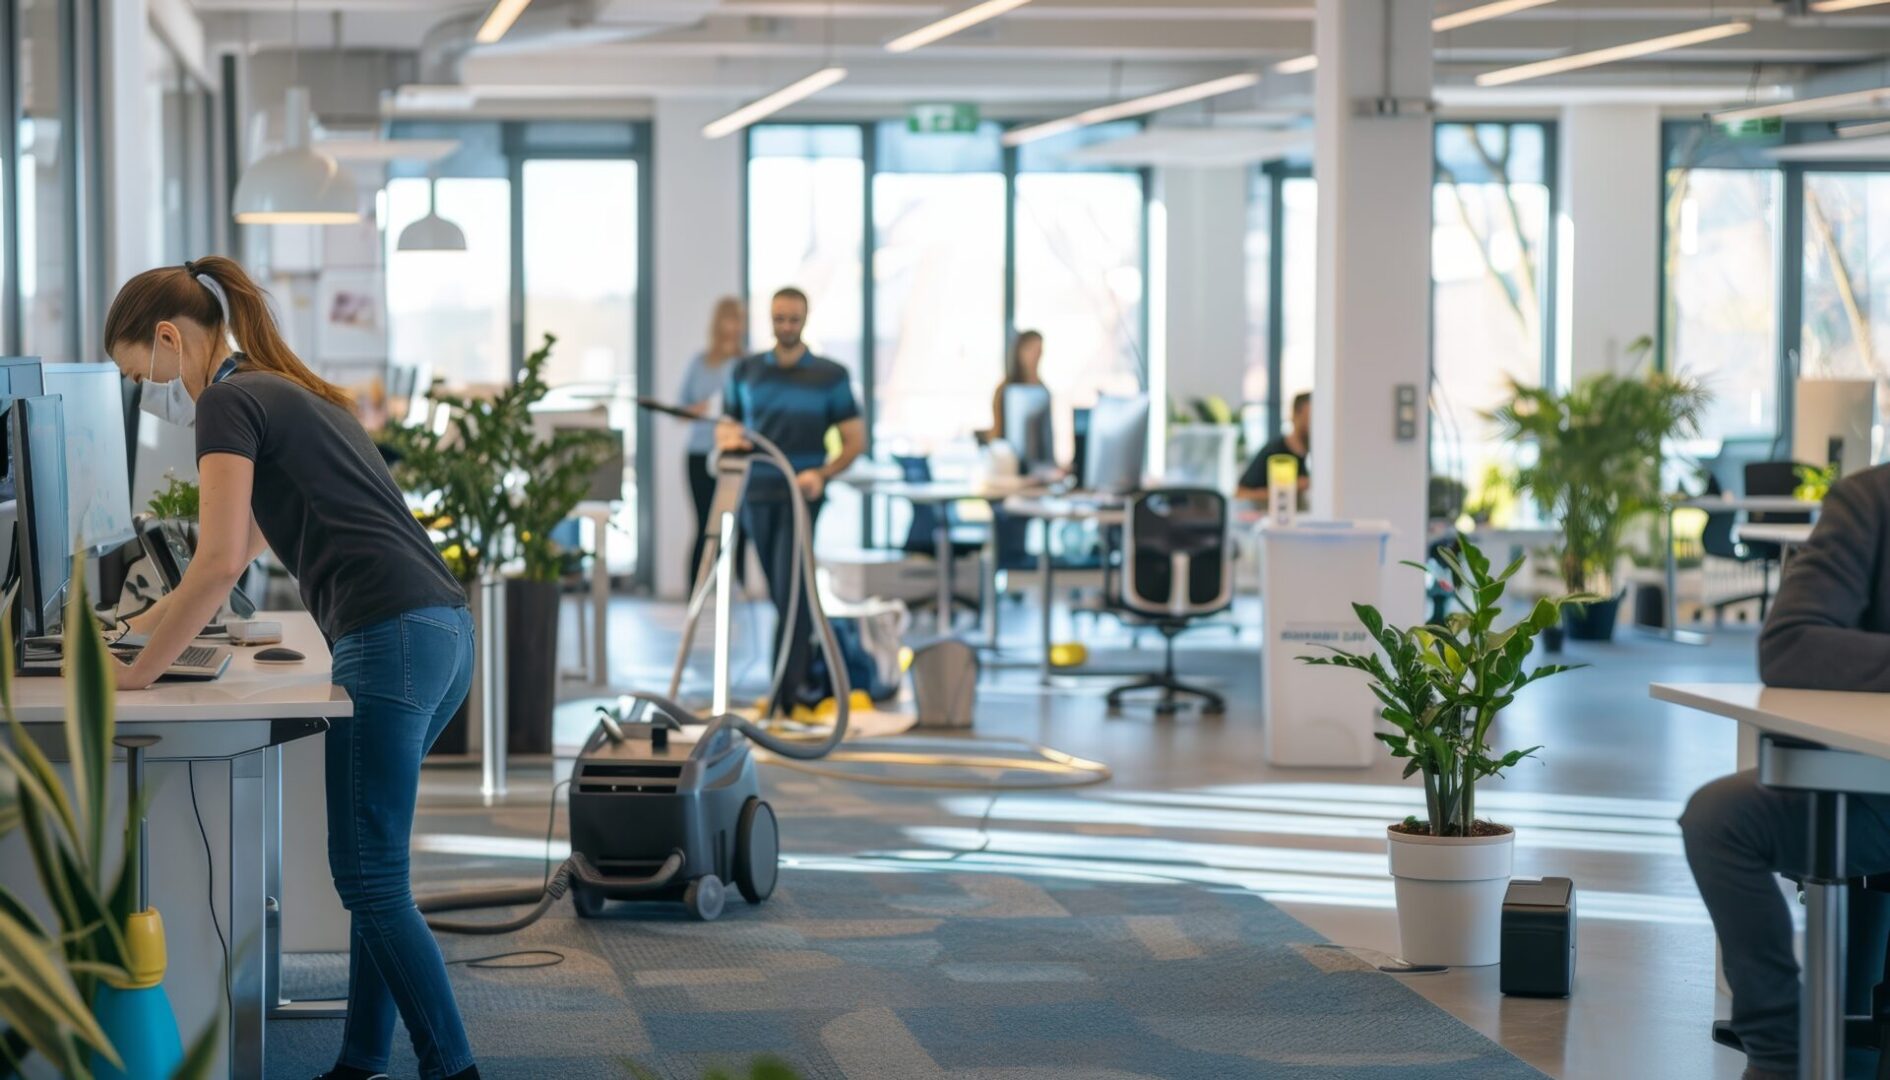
(1177, 567)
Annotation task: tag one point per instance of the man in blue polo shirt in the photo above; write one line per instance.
(791, 397)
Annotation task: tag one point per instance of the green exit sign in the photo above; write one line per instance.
(942, 118)
(1752, 129)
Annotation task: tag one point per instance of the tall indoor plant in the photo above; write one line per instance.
(493, 491)
(1595, 467)
(1441, 688)
(53, 978)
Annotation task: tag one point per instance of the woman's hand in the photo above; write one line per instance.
(128, 677)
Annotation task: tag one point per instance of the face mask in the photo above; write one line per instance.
(168, 401)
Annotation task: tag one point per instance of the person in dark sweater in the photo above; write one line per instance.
(791, 397)
(284, 464)
(1294, 443)
(1829, 630)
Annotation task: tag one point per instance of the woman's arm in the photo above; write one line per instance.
(226, 539)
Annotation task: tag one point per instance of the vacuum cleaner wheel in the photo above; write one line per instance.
(589, 904)
(704, 897)
(757, 851)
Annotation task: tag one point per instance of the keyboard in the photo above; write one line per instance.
(196, 656)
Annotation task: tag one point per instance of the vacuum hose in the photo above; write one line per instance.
(552, 892)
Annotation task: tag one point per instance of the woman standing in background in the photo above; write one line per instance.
(1019, 370)
(701, 394)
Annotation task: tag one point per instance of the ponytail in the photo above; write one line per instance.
(218, 294)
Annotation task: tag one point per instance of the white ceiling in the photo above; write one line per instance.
(1054, 52)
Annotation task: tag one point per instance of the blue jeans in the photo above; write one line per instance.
(406, 676)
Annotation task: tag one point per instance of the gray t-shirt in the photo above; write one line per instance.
(326, 502)
(701, 383)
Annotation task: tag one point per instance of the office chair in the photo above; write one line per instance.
(1177, 567)
(1761, 478)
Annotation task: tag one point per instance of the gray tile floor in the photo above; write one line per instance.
(1192, 799)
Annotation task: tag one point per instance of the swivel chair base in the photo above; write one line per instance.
(1170, 686)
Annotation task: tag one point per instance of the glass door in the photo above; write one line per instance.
(1845, 302)
(579, 235)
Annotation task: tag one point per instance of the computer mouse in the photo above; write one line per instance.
(278, 656)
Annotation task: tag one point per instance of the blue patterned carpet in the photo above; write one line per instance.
(856, 971)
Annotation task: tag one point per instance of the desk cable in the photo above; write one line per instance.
(210, 886)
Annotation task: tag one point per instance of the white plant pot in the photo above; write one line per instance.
(1450, 896)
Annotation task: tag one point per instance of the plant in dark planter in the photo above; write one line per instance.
(492, 492)
(1595, 468)
(1441, 687)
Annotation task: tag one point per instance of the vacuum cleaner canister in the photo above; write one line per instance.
(656, 819)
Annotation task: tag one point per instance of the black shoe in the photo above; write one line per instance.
(345, 1072)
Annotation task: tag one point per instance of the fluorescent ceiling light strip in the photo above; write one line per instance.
(1299, 65)
(773, 103)
(1485, 12)
(1121, 110)
(1860, 131)
(1804, 105)
(499, 20)
(952, 24)
(1823, 6)
(1628, 51)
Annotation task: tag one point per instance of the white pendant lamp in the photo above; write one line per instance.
(298, 184)
(433, 232)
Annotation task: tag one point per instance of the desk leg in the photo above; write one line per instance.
(993, 605)
(1046, 570)
(248, 913)
(600, 602)
(942, 551)
(1672, 631)
(1821, 1006)
(280, 1006)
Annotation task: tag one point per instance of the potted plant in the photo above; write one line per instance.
(1442, 688)
(57, 983)
(1595, 468)
(492, 492)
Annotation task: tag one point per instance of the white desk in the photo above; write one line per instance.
(940, 493)
(244, 719)
(1849, 753)
(599, 514)
(1104, 510)
(1713, 504)
(1785, 535)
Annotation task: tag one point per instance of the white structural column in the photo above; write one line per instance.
(1607, 253)
(1374, 289)
(697, 191)
(1207, 278)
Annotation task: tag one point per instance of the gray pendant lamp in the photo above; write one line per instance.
(433, 232)
(298, 184)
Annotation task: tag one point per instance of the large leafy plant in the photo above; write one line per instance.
(1442, 686)
(491, 489)
(1596, 461)
(48, 977)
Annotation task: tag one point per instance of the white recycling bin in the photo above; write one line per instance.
(1312, 572)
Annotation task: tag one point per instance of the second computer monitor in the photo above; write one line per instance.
(1027, 426)
(98, 483)
(35, 432)
(1117, 447)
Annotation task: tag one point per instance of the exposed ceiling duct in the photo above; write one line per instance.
(547, 24)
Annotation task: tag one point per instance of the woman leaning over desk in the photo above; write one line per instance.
(283, 463)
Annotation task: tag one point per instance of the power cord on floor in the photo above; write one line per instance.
(210, 877)
(492, 962)
(1397, 965)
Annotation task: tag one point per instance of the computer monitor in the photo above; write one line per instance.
(20, 377)
(1832, 421)
(98, 480)
(1118, 445)
(1027, 426)
(35, 432)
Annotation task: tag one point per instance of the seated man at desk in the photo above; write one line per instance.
(1253, 482)
(1830, 630)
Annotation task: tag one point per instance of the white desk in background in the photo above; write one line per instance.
(1786, 535)
(1104, 510)
(1828, 745)
(1713, 504)
(599, 514)
(939, 494)
(242, 719)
